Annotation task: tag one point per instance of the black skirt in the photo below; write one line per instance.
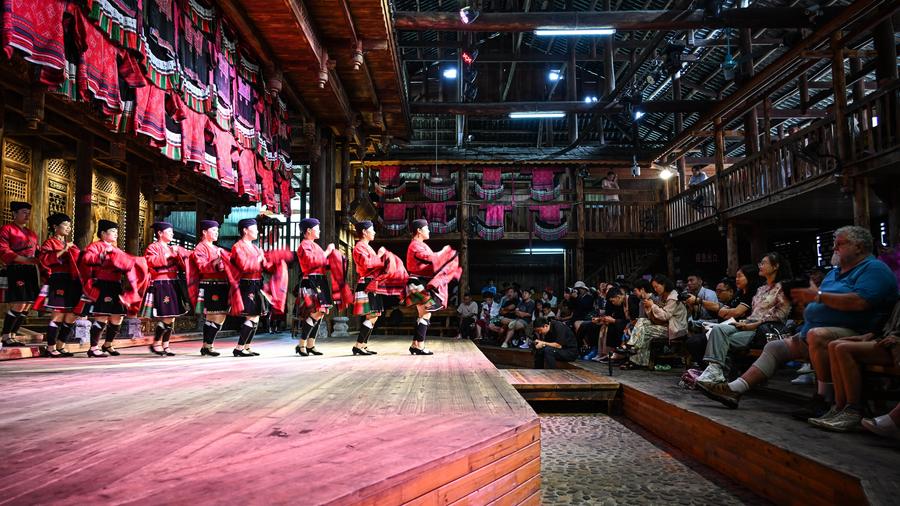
(315, 296)
(166, 298)
(255, 303)
(109, 301)
(213, 297)
(63, 292)
(24, 284)
(366, 303)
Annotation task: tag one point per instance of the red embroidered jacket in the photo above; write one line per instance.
(16, 241)
(53, 263)
(312, 258)
(164, 260)
(209, 260)
(420, 259)
(245, 257)
(367, 262)
(98, 258)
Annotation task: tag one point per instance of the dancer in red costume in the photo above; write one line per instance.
(211, 278)
(167, 297)
(368, 304)
(58, 259)
(18, 245)
(429, 275)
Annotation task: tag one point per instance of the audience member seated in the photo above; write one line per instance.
(488, 317)
(852, 300)
(554, 341)
(847, 357)
(490, 288)
(734, 297)
(805, 374)
(769, 310)
(583, 303)
(612, 325)
(467, 311)
(543, 309)
(564, 313)
(548, 298)
(701, 293)
(665, 319)
(885, 425)
(518, 319)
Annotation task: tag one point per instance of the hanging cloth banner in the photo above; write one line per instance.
(551, 233)
(389, 175)
(542, 178)
(438, 192)
(487, 232)
(549, 214)
(488, 193)
(394, 212)
(390, 192)
(491, 177)
(546, 195)
(494, 214)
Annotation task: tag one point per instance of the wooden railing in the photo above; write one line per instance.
(805, 157)
(622, 218)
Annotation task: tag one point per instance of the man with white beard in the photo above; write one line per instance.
(854, 299)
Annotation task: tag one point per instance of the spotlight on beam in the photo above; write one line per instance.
(450, 73)
(468, 15)
(666, 173)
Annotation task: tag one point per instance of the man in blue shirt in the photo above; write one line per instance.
(854, 299)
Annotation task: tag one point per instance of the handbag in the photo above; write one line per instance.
(760, 338)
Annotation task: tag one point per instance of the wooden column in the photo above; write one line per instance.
(679, 126)
(345, 182)
(579, 223)
(883, 36)
(758, 242)
(751, 120)
(36, 195)
(133, 210)
(839, 81)
(84, 187)
(861, 215)
(463, 223)
(572, 90)
(329, 217)
(804, 93)
(318, 185)
(894, 217)
(304, 189)
(731, 248)
(670, 258)
(719, 133)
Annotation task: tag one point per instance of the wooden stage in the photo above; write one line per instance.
(561, 384)
(274, 429)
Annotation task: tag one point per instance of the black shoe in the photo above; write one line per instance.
(416, 351)
(241, 353)
(300, 350)
(96, 354)
(64, 353)
(314, 351)
(154, 351)
(12, 342)
(252, 352)
(167, 352)
(209, 352)
(370, 352)
(815, 408)
(359, 351)
(110, 351)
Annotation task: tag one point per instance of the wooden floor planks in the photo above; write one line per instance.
(274, 429)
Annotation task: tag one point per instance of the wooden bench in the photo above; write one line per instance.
(561, 385)
(443, 323)
(515, 357)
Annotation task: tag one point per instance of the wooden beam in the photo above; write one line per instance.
(133, 210)
(84, 188)
(576, 106)
(757, 17)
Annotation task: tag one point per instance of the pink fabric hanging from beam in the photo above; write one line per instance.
(394, 212)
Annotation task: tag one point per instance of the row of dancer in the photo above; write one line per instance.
(105, 283)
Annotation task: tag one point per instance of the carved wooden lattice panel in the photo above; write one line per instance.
(60, 187)
(109, 201)
(16, 176)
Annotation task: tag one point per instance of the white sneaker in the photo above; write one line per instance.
(524, 345)
(712, 374)
(882, 426)
(504, 345)
(806, 369)
(804, 379)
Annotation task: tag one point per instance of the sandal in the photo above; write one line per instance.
(662, 367)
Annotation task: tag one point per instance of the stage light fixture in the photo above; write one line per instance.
(537, 114)
(554, 76)
(468, 15)
(590, 99)
(468, 57)
(635, 168)
(571, 32)
(666, 173)
(638, 114)
(450, 73)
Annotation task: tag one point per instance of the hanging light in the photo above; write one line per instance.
(357, 59)
(468, 15)
(666, 173)
(450, 73)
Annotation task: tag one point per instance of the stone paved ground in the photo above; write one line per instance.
(598, 460)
